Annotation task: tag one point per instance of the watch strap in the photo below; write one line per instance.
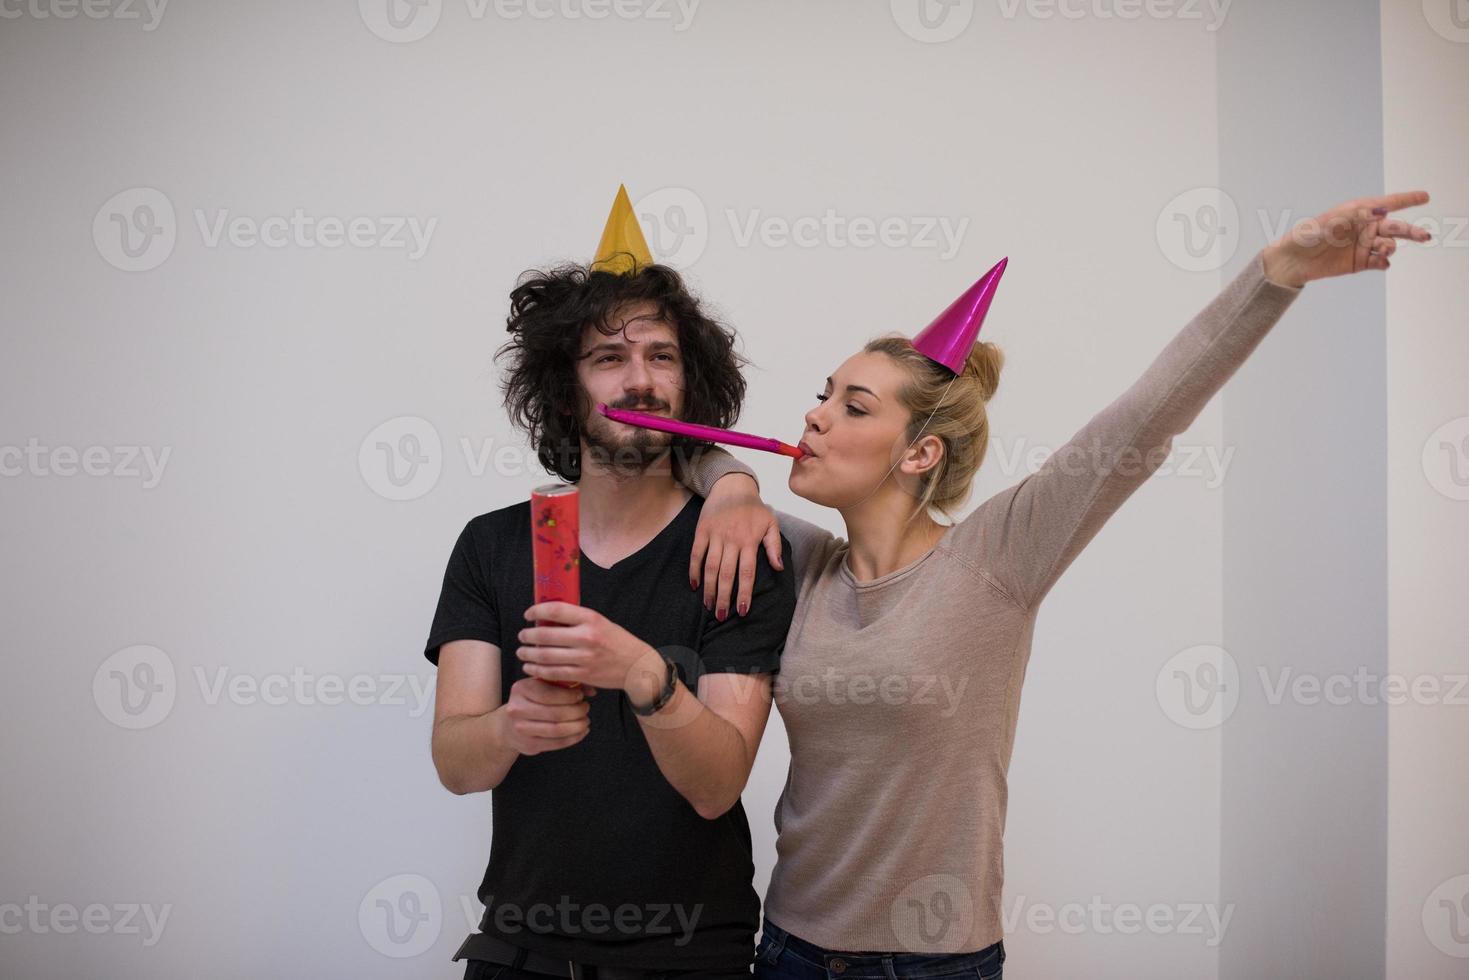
(664, 696)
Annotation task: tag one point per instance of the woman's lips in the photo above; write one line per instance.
(806, 450)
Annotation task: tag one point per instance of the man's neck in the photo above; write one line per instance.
(620, 512)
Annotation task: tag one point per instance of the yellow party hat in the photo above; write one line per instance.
(623, 248)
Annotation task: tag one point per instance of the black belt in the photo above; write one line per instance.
(494, 950)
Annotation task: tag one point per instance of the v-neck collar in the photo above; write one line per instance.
(894, 575)
(641, 555)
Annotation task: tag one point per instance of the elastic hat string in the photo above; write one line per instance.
(921, 430)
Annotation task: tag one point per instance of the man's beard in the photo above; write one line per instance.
(627, 453)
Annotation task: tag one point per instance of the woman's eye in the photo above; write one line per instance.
(851, 410)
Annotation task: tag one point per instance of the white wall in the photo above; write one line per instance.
(274, 541)
(1304, 598)
(1425, 65)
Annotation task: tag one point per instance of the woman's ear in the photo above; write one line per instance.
(923, 455)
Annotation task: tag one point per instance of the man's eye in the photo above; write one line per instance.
(606, 357)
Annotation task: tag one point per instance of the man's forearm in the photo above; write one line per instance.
(471, 752)
(702, 756)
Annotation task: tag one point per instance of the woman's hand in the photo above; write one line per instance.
(1349, 238)
(732, 525)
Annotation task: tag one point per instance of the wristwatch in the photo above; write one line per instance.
(664, 696)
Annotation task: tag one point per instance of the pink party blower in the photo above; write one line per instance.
(705, 433)
(947, 341)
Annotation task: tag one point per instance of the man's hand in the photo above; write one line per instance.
(541, 717)
(1351, 237)
(583, 646)
(732, 525)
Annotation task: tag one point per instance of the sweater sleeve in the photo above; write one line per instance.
(703, 468)
(1027, 535)
(811, 546)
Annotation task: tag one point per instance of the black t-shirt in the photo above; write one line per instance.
(594, 855)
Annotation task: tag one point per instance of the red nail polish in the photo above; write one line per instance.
(722, 614)
(744, 608)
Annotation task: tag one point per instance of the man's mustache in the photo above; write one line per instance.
(637, 406)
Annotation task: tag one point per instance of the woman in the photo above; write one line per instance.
(902, 671)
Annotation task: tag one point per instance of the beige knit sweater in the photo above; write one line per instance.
(900, 695)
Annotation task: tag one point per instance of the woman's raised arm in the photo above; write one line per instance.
(1028, 534)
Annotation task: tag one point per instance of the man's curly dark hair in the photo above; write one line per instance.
(549, 310)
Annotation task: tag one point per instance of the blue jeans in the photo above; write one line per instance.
(782, 956)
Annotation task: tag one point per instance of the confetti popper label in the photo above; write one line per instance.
(556, 548)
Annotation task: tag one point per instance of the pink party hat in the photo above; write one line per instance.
(949, 338)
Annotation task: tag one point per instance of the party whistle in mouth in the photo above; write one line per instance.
(705, 433)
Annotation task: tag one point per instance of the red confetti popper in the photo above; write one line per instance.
(556, 547)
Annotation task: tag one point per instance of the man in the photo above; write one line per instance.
(620, 847)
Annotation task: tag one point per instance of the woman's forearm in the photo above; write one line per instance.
(1028, 534)
(703, 469)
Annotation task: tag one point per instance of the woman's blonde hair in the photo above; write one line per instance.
(958, 414)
